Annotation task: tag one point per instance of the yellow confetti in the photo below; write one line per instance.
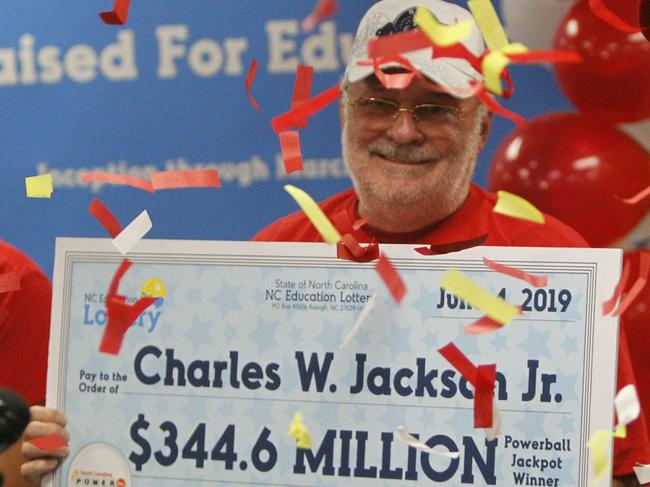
(495, 62)
(315, 214)
(154, 288)
(597, 445)
(517, 207)
(488, 22)
(496, 308)
(39, 186)
(300, 432)
(620, 431)
(441, 34)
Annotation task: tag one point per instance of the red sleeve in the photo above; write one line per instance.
(24, 327)
(636, 447)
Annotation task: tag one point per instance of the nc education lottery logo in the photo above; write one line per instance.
(94, 307)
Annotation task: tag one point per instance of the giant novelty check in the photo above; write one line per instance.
(246, 334)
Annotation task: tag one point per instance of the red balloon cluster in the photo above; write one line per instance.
(577, 168)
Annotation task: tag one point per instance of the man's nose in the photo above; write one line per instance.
(404, 130)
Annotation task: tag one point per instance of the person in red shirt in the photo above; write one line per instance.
(411, 153)
(24, 336)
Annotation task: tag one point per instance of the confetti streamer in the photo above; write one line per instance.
(250, 76)
(118, 15)
(642, 473)
(535, 281)
(49, 443)
(395, 81)
(192, 178)
(133, 233)
(112, 178)
(9, 282)
(597, 445)
(315, 214)
(363, 316)
(291, 152)
(296, 117)
(349, 249)
(299, 431)
(494, 431)
(323, 10)
(39, 186)
(483, 326)
(481, 377)
(391, 278)
(448, 248)
(489, 24)
(396, 44)
(484, 396)
(402, 435)
(517, 207)
(121, 315)
(626, 404)
(495, 107)
(637, 287)
(496, 308)
(600, 10)
(638, 197)
(494, 64)
(105, 217)
(546, 56)
(610, 304)
(302, 85)
(440, 34)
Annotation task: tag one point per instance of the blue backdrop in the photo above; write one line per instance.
(166, 91)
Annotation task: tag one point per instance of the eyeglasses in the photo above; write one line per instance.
(379, 114)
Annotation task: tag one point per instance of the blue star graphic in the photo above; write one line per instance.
(537, 341)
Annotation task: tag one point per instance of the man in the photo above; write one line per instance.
(24, 332)
(411, 153)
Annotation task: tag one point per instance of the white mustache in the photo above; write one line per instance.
(404, 153)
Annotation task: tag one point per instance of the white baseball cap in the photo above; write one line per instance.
(393, 16)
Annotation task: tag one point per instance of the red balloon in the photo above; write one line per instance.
(614, 79)
(577, 169)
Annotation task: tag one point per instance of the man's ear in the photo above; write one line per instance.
(486, 126)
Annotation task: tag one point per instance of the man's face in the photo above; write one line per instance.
(406, 162)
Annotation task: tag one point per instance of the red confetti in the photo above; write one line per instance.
(349, 249)
(193, 178)
(459, 51)
(399, 43)
(546, 56)
(118, 15)
(9, 282)
(49, 443)
(536, 281)
(484, 395)
(297, 116)
(395, 81)
(250, 76)
(291, 152)
(637, 287)
(600, 10)
(482, 326)
(391, 278)
(481, 377)
(493, 106)
(112, 178)
(302, 85)
(105, 217)
(610, 304)
(121, 315)
(448, 248)
(323, 10)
